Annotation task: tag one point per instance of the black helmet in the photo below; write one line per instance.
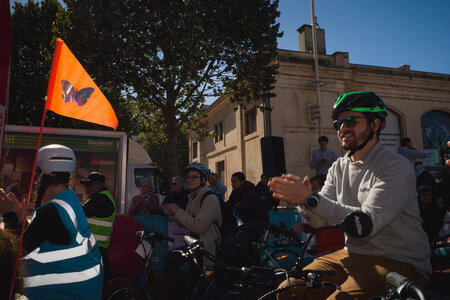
(365, 102)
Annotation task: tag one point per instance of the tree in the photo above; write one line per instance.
(89, 29)
(32, 53)
(31, 37)
(154, 142)
(168, 55)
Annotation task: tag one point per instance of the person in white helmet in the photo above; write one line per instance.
(62, 259)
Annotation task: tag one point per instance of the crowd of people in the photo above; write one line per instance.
(64, 245)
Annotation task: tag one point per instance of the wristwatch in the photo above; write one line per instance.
(312, 200)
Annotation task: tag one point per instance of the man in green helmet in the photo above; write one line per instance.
(372, 179)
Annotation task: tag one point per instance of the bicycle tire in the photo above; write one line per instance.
(285, 258)
(116, 282)
(125, 292)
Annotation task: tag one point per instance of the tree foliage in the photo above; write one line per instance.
(89, 29)
(31, 37)
(182, 51)
(155, 141)
(33, 26)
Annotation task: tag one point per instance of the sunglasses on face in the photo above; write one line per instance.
(348, 121)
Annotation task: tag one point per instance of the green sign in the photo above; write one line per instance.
(19, 140)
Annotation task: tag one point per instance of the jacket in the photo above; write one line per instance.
(200, 219)
(246, 203)
(147, 206)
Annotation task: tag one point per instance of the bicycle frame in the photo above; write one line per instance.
(140, 289)
(284, 239)
(268, 276)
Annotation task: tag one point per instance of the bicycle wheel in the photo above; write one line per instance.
(125, 292)
(114, 284)
(285, 258)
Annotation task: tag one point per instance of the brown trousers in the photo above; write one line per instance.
(360, 276)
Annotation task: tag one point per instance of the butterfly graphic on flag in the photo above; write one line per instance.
(70, 93)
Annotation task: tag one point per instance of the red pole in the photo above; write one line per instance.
(11, 296)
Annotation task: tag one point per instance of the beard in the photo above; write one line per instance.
(356, 140)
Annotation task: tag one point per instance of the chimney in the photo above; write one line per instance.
(306, 42)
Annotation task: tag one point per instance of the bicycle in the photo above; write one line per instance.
(283, 240)
(274, 249)
(122, 286)
(263, 282)
(400, 287)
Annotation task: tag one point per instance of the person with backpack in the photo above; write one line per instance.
(202, 217)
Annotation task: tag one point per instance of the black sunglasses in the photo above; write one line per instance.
(349, 122)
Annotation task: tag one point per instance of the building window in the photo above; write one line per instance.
(390, 136)
(250, 121)
(218, 132)
(435, 133)
(220, 170)
(194, 150)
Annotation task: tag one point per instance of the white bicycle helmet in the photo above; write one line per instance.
(55, 158)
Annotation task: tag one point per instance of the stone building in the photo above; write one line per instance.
(418, 105)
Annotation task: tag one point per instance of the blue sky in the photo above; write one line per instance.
(386, 33)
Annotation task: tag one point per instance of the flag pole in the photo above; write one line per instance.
(55, 61)
(25, 210)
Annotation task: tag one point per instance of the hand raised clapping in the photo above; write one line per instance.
(10, 203)
(291, 188)
(170, 208)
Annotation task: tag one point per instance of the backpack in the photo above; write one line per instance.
(229, 221)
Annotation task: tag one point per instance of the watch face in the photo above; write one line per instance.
(311, 202)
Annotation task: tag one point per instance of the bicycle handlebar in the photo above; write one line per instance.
(404, 286)
(196, 247)
(153, 236)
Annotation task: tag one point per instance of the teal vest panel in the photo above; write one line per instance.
(71, 271)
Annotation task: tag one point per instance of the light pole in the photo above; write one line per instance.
(316, 66)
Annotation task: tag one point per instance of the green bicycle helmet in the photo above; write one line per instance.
(365, 102)
(368, 103)
(204, 171)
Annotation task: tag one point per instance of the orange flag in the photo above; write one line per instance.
(72, 93)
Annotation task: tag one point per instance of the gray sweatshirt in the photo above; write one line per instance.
(382, 184)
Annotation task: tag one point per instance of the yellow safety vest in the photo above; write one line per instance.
(101, 228)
